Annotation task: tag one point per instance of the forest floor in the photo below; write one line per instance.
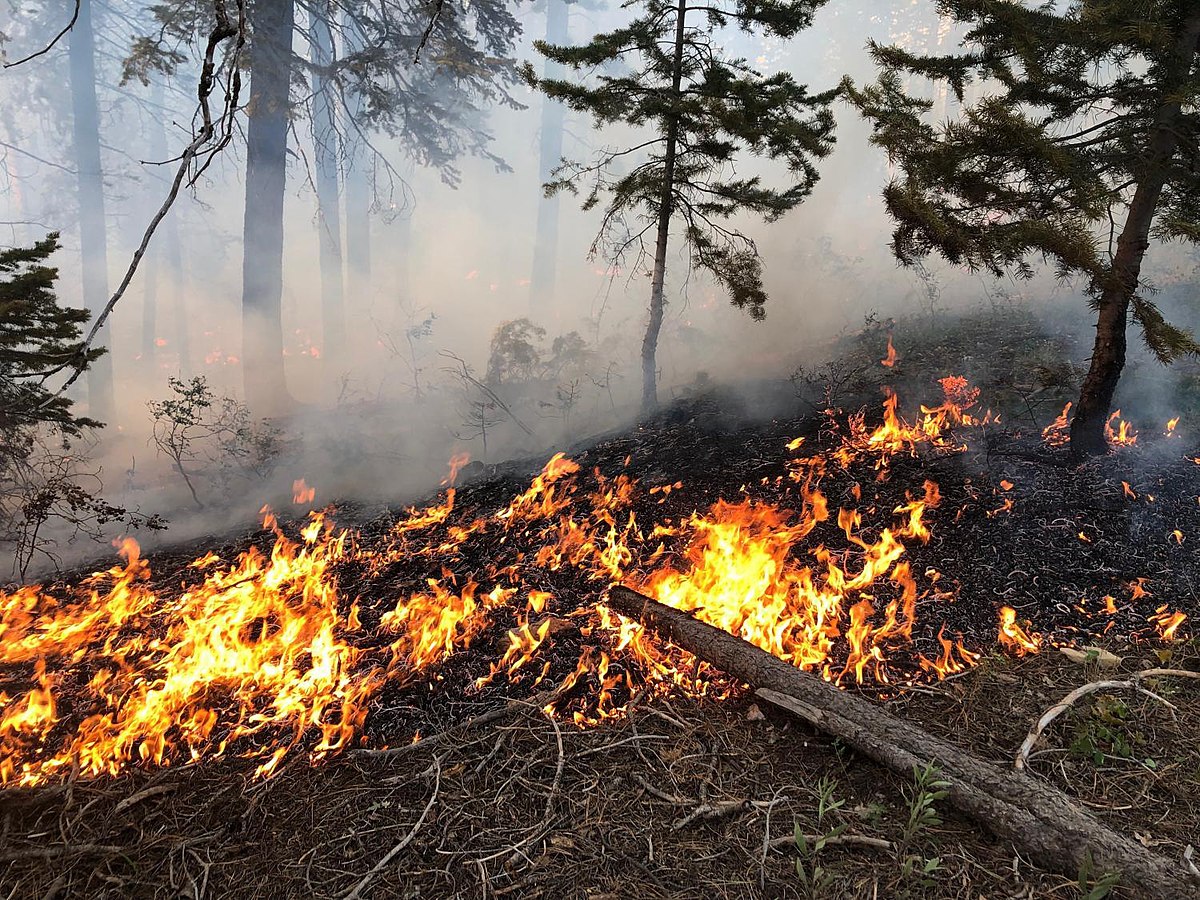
(497, 799)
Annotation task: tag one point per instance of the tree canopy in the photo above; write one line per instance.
(1080, 150)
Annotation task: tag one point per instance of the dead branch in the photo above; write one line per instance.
(487, 718)
(1133, 683)
(1042, 823)
(50, 46)
(224, 28)
(832, 840)
(356, 892)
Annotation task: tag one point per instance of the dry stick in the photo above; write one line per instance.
(59, 850)
(540, 830)
(223, 29)
(1043, 823)
(487, 718)
(832, 840)
(1133, 683)
(391, 854)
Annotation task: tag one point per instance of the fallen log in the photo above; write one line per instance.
(1042, 823)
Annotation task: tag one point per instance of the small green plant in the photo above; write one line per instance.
(1097, 888)
(814, 878)
(918, 870)
(927, 790)
(1106, 733)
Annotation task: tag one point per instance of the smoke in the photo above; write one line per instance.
(449, 265)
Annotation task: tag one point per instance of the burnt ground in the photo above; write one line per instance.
(524, 806)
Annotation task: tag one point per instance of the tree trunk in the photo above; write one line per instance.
(665, 206)
(545, 240)
(1041, 822)
(266, 165)
(92, 239)
(358, 187)
(173, 250)
(1121, 280)
(326, 153)
(149, 355)
(157, 146)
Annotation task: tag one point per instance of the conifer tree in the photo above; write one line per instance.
(1081, 150)
(702, 112)
(36, 335)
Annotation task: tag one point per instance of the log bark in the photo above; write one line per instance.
(1042, 823)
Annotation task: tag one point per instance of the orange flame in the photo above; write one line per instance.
(302, 493)
(1013, 637)
(890, 359)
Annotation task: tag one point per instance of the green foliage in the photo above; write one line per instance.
(36, 335)
(424, 73)
(48, 488)
(814, 877)
(1068, 111)
(703, 113)
(1093, 887)
(927, 790)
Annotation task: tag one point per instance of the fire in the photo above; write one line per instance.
(890, 359)
(1167, 623)
(266, 655)
(1013, 637)
(1057, 433)
(256, 648)
(1121, 436)
(301, 492)
(1172, 424)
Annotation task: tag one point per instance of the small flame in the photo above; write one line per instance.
(301, 493)
(1014, 637)
(1167, 623)
(890, 359)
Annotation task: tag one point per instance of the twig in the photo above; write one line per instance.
(59, 850)
(407, 839)
(832, 840)
(628, 740)
(721, 809)
(1133, 683)
(660, 794)
(487, 718)
(50, 46)
(141, 795)
(541, 829)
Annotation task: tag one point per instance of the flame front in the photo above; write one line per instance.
(265, 655)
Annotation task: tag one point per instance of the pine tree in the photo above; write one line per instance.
(1081, 149)
(36, 334)
(703, 112)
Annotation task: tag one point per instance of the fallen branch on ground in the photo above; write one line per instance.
(1042, 823)
(1133, 683)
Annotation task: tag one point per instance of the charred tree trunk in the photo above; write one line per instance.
(1122, 279)
(266, 166)
(358, 187)
(93, 246)
(327, 152)
(1042, 822)
(545, 241)
(665, 207)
